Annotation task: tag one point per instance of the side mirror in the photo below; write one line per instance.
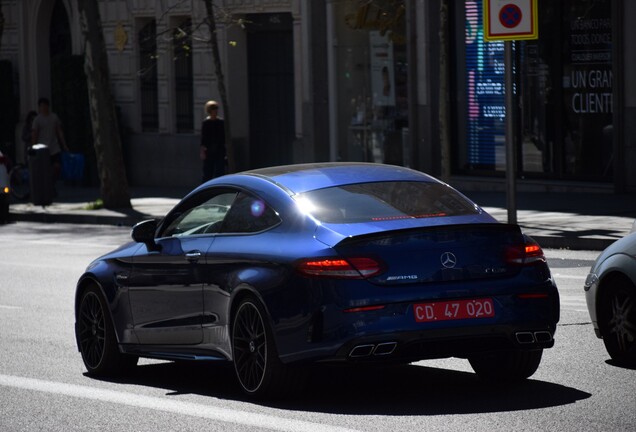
(144, 232)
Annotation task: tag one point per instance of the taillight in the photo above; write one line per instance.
(364, 308)
(528, 253)
(349, 268)
(533, 296)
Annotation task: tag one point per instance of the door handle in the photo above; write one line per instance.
(193, 256)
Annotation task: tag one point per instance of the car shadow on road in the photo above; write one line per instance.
(398, 390)
(425, 390)
(621, 365)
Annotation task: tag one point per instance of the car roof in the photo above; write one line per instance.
(306, 177)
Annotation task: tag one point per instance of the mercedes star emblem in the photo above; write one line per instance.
(448, 259)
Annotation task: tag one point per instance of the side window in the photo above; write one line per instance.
(249, 214)
(201, 217)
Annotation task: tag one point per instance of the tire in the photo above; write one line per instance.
(96, 337)
(19, 182)
(618, 321)
(258, 369)
(506, 366)
(4, 208)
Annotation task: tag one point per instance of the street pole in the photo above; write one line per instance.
(511, 160)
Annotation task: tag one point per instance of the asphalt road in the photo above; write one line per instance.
(43, 386)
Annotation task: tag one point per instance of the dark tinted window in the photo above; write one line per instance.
(368, 202)
(249, 214)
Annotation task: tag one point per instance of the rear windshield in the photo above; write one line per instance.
(383, 201)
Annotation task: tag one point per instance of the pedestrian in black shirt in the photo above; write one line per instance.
(212, 143)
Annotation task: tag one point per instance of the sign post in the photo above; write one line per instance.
(511, 153)
(510, 20)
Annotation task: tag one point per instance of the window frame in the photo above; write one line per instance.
(203, 197)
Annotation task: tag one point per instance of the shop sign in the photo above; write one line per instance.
(387, 17)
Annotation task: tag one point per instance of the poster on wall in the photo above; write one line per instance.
(382, 73)
(589, 70)
(588, 89)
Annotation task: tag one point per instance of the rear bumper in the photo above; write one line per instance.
(392, 333)
(414, 346)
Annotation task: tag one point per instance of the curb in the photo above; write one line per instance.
(572, 244)
(75, 219)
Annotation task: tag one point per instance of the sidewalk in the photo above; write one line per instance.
(555, 220)
(72, 205)
(590, 221)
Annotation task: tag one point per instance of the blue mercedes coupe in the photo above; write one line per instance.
(278, 268)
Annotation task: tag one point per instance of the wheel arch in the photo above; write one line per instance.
(238, 295)
(614, 268)
(241, 293)
(86, 281)
(82, 285)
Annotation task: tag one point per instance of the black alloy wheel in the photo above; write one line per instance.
(250, 345)
(618, 322)
(258, 368)
(96, 336)
(92, 331)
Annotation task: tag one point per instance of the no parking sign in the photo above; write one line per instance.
(510, 20)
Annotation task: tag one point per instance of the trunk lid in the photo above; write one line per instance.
(440, 253)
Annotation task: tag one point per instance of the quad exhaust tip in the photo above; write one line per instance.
(382, 349)
(386, 348)
(362, 351)
(532, 337)
(543, 336)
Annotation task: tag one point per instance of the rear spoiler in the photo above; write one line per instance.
(331, 237)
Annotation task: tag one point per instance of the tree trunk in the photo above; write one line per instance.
(220, 81)
(110, 161)
(444, 105)
(1, 23)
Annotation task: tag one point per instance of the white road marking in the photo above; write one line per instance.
(565, 298)
(562, 276)
(226, 415)
(573, 303)
(56, 243)
(9, 307)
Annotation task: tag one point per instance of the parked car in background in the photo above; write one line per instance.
(610, 292)
(348, 263)
(4, 188)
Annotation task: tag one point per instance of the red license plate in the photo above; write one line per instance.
(454, 310)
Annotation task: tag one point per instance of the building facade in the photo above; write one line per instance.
(406, 82)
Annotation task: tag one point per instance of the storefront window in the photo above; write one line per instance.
(587, 88)
(485, 90)
(371, 69)
(564, 89)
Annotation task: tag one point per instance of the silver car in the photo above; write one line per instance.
(610, 291)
